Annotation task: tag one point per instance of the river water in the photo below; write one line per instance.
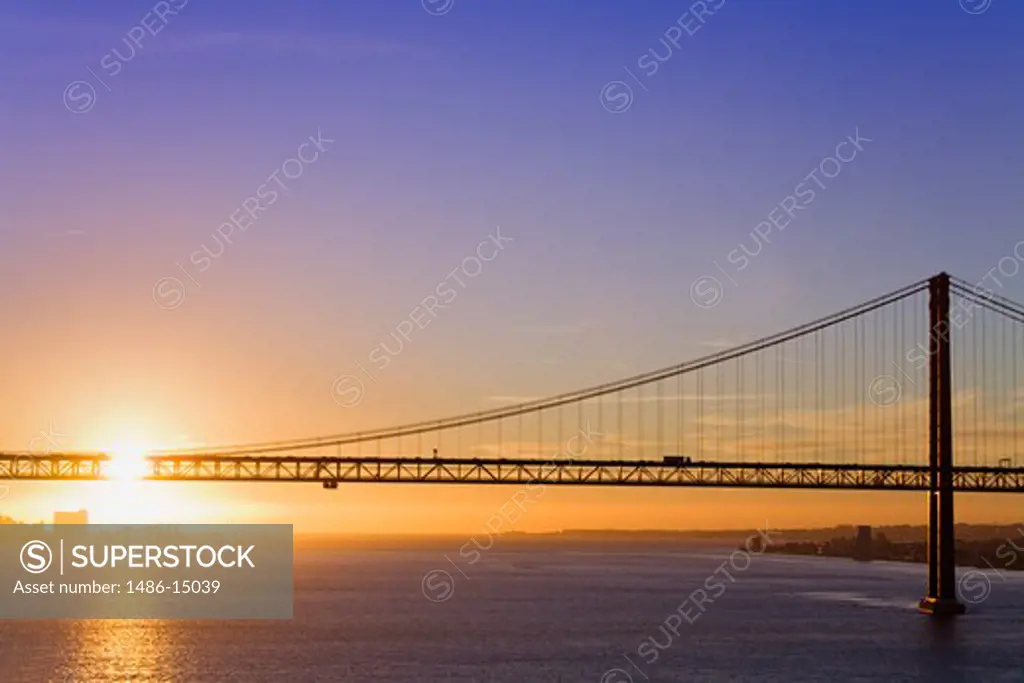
(601, 614)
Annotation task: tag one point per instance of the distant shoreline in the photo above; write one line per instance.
(901, 533)
(898, 534)
(994, 552)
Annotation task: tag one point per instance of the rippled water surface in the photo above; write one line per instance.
(529, 615)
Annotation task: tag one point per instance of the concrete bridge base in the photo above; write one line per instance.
(941, 607)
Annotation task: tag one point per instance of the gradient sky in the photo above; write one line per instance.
(444, 128)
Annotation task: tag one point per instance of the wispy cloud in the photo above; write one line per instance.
(633, 398)
(854, 431)
(278, 42)
(56, 28)
(512, 400)
(719, 343)
(703, 398)
(556, 329)
(185, 40)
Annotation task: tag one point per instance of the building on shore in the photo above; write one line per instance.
(79, 517)
(862, 549)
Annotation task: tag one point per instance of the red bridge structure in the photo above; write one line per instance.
(872, 397)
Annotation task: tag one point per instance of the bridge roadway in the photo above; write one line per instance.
(331, 471)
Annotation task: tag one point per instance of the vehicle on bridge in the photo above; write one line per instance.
(677, 460)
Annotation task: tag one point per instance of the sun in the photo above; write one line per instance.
(126, 497)
(128, 460)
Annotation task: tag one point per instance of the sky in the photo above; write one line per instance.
(617, 181)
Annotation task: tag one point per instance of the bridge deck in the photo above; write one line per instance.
(568, 472)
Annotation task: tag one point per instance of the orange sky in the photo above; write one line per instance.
(139, 402)
(366, 508)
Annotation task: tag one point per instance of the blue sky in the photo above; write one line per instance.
(446, 127)
(490, 115)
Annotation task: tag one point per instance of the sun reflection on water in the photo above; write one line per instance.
(134, 650)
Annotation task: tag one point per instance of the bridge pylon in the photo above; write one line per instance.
(941, 599)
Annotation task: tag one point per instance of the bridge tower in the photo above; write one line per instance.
(941, 599)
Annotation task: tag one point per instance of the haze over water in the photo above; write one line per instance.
(558, 616)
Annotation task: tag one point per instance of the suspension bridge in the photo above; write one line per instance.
(872, 397)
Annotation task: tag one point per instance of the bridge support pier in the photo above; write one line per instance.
(941, 599)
